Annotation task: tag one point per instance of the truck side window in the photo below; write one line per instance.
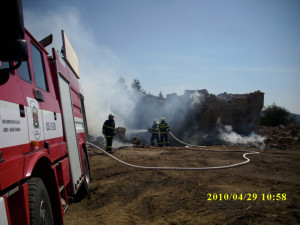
(23, 71)
(38, 68)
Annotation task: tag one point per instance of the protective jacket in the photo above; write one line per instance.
(164, 131)
(154, 133)
(108, 129)
(164, 128)
(154, 129)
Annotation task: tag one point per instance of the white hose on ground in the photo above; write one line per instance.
(183, 142)
(180, 168)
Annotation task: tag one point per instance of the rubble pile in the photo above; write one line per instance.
(138, 143)
(99, 141)
(281, 137)
(120, 134)
(120, 138)
(193, 116)
(196, 117)
(240, 111)
(239, 98)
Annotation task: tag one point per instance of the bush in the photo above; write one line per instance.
(275, 115)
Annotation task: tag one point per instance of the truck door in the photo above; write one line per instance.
(44, 118)
(44, 94)
(32, 91)
(70, 132)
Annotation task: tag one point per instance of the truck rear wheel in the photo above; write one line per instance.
(39, 203)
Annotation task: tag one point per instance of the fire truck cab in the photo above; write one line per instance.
(43, 152)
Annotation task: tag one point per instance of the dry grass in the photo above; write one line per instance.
(124, 195)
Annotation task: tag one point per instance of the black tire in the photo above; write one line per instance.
(39, 203)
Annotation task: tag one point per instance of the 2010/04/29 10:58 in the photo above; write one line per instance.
(246, 197)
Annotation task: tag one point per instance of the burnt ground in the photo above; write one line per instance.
(125, 195)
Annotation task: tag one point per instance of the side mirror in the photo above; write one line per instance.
(13, 46)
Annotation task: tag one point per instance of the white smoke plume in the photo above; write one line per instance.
(197, 98)
(105, 92)
(100, 68)
(227, 134)
(100, 71)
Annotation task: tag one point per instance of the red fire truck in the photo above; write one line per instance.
(43, 152)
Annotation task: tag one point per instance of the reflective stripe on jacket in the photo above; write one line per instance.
(108, 128)
(154, 129)
(164, 128)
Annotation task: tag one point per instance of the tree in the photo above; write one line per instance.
(136, 85)
(122, 83)
(161, 95)
(274, 115)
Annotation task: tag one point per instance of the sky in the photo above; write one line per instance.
(233, 46)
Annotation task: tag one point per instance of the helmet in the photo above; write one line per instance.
(155, 121)
(163, 119)
(111, 115)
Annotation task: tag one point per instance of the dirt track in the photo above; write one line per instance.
(125, 195)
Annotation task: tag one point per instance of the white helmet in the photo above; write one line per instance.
(155, 121)
(111, 115)
(163, 119)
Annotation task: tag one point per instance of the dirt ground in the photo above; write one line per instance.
(264, 191)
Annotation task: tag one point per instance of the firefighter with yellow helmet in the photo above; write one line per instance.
(109, 131)
(164, 132)
(154, 130)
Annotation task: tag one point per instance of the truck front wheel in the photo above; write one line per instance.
(39, 203)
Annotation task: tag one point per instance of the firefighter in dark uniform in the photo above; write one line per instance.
(164, 133)
(109, 132)
(154, 130)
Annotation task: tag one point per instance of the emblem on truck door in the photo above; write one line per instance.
(35, 117)
(34, 107)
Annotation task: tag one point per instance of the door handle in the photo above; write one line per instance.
(39, 95)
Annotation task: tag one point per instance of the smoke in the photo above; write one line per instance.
(106, 90)
(103, 99)
(226, 134)
(197, 98)
(100, 68)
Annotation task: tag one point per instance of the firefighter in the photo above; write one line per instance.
(154, 130)
(164, 132)
(109, 132)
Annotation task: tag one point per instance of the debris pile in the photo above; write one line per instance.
(281, 137)
(120, 134)
(138, 143)
(194, 116)
(120, 140)
(206, 111)
(99, 141)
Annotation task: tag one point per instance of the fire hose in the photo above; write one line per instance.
(247, 152)
(187, 145)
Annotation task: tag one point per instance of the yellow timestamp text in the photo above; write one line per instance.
(246, 197)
